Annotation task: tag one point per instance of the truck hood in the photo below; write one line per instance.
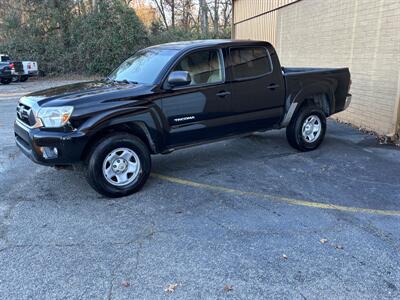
(87, 93)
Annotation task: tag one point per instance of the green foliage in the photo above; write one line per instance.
(66, 40)
(102, 40)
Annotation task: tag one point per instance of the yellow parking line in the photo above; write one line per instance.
(13, 94)
(291, 201)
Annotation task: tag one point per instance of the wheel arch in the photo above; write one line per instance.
(320, 94)
(136, 128)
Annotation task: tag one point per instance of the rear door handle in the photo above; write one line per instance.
(273, 86)
(223, 94)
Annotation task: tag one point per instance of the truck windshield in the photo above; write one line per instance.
(144, 66)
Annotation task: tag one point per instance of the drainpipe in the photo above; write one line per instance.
(233, 21)
(396, 135)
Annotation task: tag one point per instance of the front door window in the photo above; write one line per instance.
(204, 67)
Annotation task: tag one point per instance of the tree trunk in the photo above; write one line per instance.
(173, 13)
(216, 16)
(203, 16)
(94, 5)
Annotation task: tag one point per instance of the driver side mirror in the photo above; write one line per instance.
(179, 78)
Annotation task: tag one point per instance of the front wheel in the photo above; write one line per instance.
(6, 80)
(306, 130)
(119, 165)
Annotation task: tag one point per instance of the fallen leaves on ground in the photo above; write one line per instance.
(228, 288)
(337, 246)
(171, 288)
(125, 283)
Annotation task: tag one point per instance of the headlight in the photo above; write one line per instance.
(53, 116)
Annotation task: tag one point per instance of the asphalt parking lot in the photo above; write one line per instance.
(247, 218)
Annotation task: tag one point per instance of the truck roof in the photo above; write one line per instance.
(187, 45)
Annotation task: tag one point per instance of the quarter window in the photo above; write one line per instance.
(5, 58)
(204, 67)
(250, 62)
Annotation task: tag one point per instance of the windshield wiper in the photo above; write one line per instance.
(120, 81)
(125, 81)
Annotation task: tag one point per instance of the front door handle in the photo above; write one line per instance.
(273, 86)
(223, 94)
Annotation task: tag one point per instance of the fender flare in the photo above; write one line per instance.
(133, 119)
(294, 102)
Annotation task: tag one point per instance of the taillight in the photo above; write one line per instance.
(12, 66)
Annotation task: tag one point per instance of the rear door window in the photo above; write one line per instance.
(250, 62)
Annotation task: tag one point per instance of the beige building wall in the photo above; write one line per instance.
(363, 35)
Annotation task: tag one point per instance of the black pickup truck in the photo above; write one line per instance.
(171, 96)
(5, 73)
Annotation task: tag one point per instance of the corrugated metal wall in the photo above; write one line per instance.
(362, 35)
(245, 9)
(263, 26)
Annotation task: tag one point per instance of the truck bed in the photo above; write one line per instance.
(337, 79)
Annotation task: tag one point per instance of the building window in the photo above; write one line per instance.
(250, 62)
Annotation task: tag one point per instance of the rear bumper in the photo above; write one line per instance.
(22, 73)
(347, 101)
(33, 73)
(33, 141)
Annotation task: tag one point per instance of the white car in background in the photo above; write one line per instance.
(21, 70)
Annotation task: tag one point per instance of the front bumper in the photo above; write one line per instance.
(32, 142)
(5, 75)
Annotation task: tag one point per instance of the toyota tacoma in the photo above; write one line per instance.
(171, 96)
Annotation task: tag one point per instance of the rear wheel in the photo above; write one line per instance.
(118, 165)
(5, 80)
(306, 130)
(23, 78)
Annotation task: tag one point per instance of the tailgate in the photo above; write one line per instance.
(31, 67)
(17, 68)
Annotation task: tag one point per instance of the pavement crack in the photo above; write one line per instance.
(4, 225)
(369, 228)
(140, 242)
(302, 296)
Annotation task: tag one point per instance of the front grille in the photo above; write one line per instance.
(24, 114)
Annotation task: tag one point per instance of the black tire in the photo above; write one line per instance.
(101, 150)
(294, 130)
(23, 78)
(5, 80)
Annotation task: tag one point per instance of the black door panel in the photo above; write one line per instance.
(256, 86)
(197, 113)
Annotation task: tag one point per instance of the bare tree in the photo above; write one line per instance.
(215, 15)
(161, 9)
(203, 16)
(172, 6)
(226, 13)
(188, 14)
